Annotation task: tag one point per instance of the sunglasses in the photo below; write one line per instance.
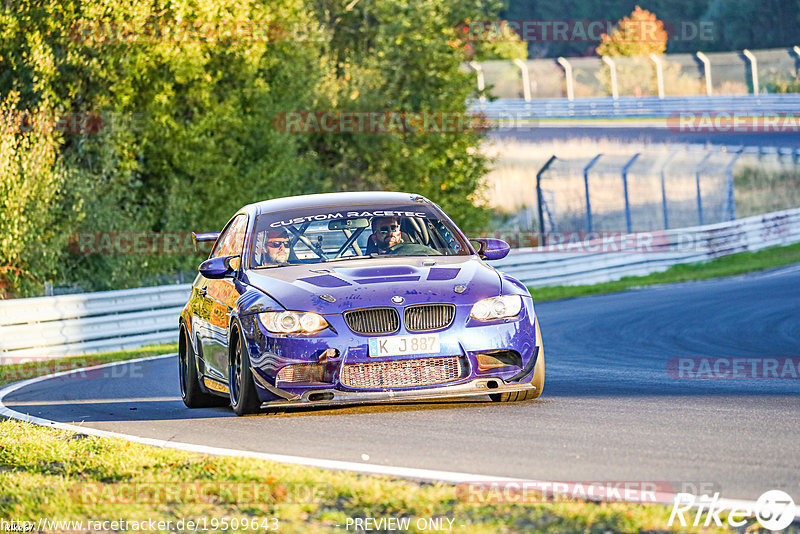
(390, 228)
(278, 244)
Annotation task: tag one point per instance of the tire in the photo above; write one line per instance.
(244, 399)
(537, 380)
(191, 393)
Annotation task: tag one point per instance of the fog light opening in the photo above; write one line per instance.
(315, 397)
(492, 384)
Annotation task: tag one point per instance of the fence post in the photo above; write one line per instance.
(481, 82)
(659, 74)
(539, 196)
(526, 80)
(699, 195)
(613, 68)
(586, 186)
(625, 189)
(664, 187)
(729, 191)
(753, 68)
(707, 72)
(568, 72)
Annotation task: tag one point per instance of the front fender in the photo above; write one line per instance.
(512, 286)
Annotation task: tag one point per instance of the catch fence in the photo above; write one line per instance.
(643, 191)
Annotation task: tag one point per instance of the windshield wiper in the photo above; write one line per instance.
(273, 265)
(343, 258)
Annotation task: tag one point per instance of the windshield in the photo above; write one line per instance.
(323, 234)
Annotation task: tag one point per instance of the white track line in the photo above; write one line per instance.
(428, 475)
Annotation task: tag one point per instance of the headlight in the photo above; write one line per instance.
(289, 322)
(497, 308)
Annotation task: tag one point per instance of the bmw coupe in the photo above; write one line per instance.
(354, 298)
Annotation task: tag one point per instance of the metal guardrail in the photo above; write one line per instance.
(570, 263)
(50, 327)
(633, 107)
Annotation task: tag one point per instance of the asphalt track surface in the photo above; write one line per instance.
(610, 410)
(647, 134)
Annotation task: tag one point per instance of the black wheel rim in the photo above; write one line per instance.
(182, 367)
(236, 374)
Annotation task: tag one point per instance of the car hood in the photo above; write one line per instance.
(374, 281)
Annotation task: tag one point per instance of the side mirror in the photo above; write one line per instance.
(490, 248)
(219, 267)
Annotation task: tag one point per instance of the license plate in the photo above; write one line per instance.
(400, 345)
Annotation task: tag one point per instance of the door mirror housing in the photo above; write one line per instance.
(219, 267)
(490, 248)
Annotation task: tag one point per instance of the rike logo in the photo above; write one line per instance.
(774, 510)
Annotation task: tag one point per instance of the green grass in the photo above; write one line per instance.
(22, 371)
(63, 476)
(733, 264)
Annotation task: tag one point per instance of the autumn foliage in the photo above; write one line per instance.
(639, 34)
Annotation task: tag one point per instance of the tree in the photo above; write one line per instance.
(30, 179)
(187, 133)
(741, 24)
(638, 34)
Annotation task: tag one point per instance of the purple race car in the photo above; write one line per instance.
(354, 297)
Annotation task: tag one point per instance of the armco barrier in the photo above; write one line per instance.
(513, 110)
(50, 327)
(565, 265)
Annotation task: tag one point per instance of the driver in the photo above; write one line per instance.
(276, 245)
(385, 234)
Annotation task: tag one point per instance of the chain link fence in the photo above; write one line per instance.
(643, 191)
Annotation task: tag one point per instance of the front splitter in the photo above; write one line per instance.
(335, 397)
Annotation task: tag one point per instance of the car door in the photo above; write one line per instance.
(218, 298)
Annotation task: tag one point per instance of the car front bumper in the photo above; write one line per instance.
(464, 339)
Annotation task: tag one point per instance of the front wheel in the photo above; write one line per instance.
(244, 399)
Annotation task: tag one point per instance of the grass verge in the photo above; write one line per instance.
(53, 475)
(733, 264)
(62, 476)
